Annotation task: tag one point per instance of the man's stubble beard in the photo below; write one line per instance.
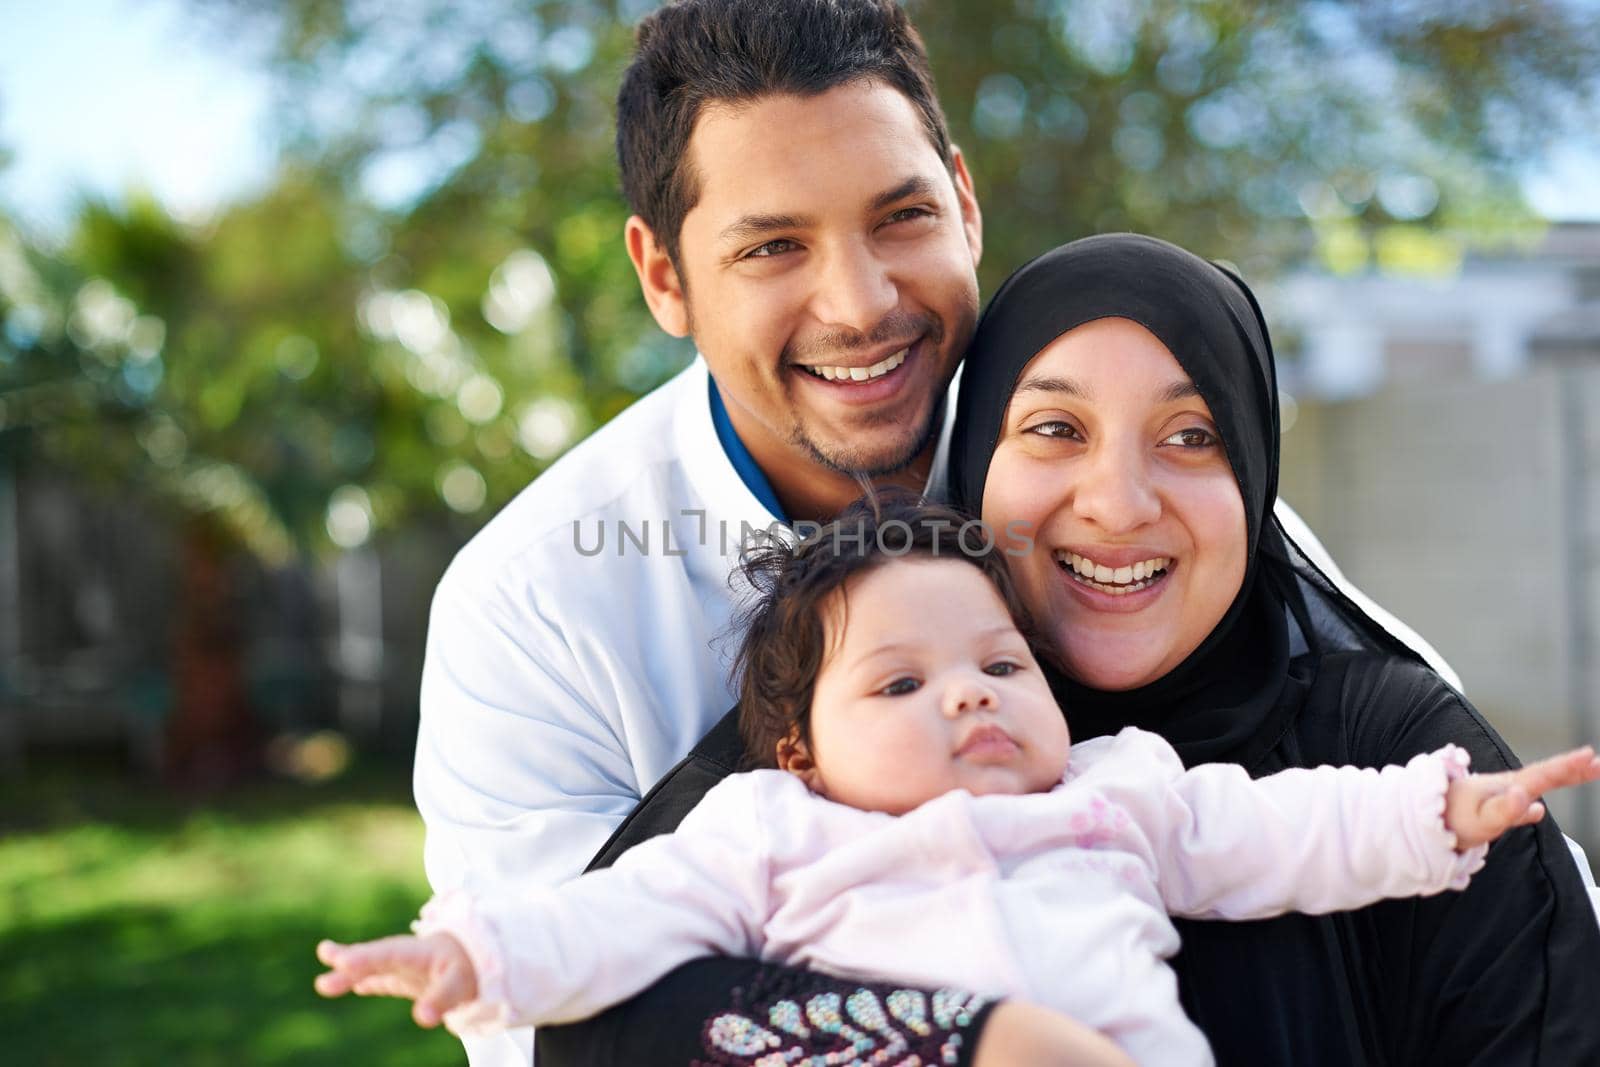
(930, 332)
(858, 466)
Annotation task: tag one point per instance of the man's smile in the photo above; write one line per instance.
(856, 372)
(871, 381)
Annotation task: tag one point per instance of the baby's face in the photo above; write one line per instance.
(926, 688)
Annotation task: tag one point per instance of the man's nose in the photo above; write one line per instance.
(855, 290)
(1113, 488)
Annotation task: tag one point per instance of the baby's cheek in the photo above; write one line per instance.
(1054, 764)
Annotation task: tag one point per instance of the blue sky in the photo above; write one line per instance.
(104, 95)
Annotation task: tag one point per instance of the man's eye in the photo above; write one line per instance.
(1003, 668)
(900, 687)
(1193, 437)
(771, 248)
(905, 214)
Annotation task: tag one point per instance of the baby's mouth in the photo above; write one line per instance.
(987, 742)
(1115, 581)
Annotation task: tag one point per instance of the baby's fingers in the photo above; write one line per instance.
(332, 984)
(449, 990)
(386, 985)
(335, 983)
(1570, 768)
(1514, 807)
(354, 967)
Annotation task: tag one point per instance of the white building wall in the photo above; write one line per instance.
(1347, 325)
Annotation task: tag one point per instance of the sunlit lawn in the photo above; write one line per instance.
(139, 928)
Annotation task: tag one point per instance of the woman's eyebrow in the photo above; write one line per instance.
(1044, 383)
(1182, 389)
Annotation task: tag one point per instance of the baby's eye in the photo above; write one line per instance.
(900, 687)
(1003, 668)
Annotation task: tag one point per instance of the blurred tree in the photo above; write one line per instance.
(262, 384)
(1226, 125)
(1229, 126)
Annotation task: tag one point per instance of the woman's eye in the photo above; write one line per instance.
(1193, 437)
(900, 687)
(771, 248)
(1003, 668)
(1055, 428)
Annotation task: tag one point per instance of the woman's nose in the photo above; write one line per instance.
(1114, 490)
(855, 290)
(967, 694)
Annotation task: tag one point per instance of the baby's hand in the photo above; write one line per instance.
(434, 971)
(1480, 807)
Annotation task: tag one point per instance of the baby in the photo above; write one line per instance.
(919, 821)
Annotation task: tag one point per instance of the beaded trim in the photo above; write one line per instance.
(869, 1027)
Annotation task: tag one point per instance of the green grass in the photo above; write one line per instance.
(139, 928)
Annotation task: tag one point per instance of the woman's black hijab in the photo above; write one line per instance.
(1229, 699)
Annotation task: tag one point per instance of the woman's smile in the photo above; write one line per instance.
(1100, 574)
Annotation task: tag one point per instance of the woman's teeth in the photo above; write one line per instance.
(1118, 581)
(860, 374)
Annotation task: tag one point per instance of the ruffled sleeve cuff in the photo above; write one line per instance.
(456, 913)
(1433, 772)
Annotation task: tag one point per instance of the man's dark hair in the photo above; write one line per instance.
(785, 638)
(695, 52)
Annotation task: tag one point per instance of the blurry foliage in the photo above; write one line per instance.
(432, 299)
(1228, 127)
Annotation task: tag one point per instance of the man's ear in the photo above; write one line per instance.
(795, 757)
(663, 289)
(967, 198)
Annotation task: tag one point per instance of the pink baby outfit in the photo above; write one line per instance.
(1061, 898)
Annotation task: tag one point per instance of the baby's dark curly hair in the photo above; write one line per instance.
(785, 639)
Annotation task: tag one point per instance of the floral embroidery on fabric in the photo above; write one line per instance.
(1100, 826)
(871, 1027)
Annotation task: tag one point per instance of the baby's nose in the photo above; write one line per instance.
(968, 695)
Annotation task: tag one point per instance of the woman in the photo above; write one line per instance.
(1120, 399)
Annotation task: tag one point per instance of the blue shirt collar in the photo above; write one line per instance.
(749, 472)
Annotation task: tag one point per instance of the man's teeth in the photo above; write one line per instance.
(1117, 581)
(861, 374)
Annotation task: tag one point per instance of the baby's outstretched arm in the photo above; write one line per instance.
(433, 970)
(1479, 808)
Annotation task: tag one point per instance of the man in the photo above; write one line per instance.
(800, 212)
